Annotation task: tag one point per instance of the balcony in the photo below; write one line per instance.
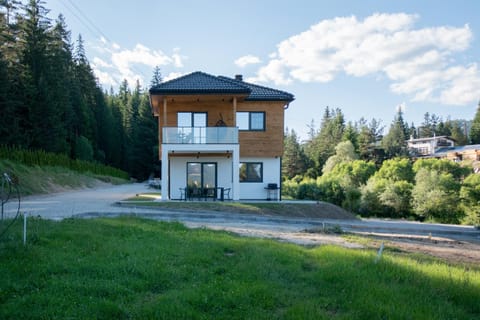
(200, 135)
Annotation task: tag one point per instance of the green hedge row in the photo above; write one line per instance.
(42, 158)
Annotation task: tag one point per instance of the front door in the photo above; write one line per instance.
(202, 177)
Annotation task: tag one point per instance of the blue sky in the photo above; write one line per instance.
(364, 57)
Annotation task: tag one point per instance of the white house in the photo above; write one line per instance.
(219, 137)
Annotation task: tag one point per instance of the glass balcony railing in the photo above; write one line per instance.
(200, 135)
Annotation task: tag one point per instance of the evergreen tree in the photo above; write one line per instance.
(351, 134)
(294, 161)
(322, 146)
(368, 136)
(475, 128)
(157, 77)
(457, 132)
(394, 142)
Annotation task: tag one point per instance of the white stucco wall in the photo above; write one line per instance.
(271, 174)
(248, 190)
(178, 173)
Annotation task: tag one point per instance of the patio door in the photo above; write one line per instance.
(202, 175)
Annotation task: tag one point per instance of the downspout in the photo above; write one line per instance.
(280, 184)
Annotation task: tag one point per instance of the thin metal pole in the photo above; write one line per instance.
(25, 229)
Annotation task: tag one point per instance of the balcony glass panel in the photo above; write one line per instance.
(200, 135)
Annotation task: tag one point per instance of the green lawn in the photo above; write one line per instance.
(128, 268)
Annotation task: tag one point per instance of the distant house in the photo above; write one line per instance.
(219, 137)
(423, 147)
(442, 147)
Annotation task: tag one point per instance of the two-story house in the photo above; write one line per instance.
(422, 147)
(219, 135)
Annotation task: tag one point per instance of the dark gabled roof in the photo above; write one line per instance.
(261, 93)
(198, 83)
(203, 83)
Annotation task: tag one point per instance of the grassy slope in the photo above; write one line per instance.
(319, 209)
(130, 268)
(38, 180)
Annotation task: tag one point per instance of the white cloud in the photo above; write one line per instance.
(172, 75)
(100, 63)
(420, 62)
(246, 60)
(116, 63)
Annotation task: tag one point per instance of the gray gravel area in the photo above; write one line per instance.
(100, 201)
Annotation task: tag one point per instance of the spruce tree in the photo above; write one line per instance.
(394, 142)
(294, 161)
(475, 128)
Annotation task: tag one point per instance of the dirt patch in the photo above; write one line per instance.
(444, 248)
(318, 210)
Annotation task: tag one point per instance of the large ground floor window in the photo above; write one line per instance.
(202, 174)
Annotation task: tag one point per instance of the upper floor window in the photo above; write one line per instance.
(191, 119)
(251, 121)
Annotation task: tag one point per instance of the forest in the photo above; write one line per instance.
(355, 166)
(50, 99)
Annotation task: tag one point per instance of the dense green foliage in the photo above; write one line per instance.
(431, 189)
(50, 99)
(137, 269)
(41, 158)
(354, 166)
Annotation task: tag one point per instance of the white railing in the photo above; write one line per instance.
(200, 135)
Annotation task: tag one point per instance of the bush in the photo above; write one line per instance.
(470, 196)
(83, 149)
(435, 196)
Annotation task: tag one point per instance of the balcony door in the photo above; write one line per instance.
(202, 175)
(193, 124)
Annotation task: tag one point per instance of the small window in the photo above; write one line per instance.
(251, 121)
(251, 172)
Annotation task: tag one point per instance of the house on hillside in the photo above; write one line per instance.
(428, 146)
(443, 147)
(219, 137)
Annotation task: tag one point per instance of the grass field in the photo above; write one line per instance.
(128, 268)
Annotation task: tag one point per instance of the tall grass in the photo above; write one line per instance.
(41, 158)
(129, 268)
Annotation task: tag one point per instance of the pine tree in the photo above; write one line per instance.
(394, 142)
(322, 146)
(294, 161)
(475, 128)
(157, 77)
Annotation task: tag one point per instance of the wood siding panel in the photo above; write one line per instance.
(268, 143)
(215, 109)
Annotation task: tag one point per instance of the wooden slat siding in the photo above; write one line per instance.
(268, 143)
(213, 109)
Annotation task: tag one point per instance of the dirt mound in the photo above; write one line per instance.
(320, 209)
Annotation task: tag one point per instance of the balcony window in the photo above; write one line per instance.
(192, 119)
